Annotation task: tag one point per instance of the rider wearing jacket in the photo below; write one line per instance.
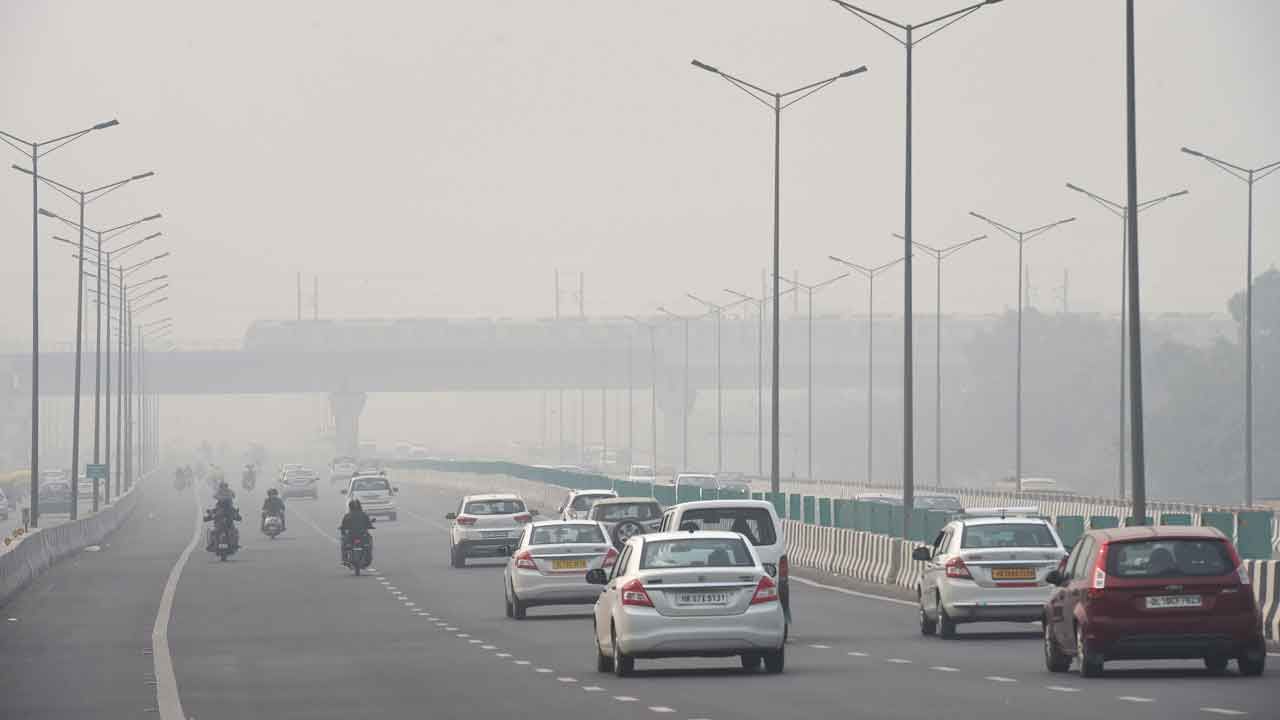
(224, 516)
(354, 523)
(273, 505)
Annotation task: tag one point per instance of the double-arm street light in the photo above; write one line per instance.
(938, 255)
(718, 312)
(1021, 237)
(34, 150)
(653, 389)
(1122, 211)
(870, 274)
(777, 102)
(905, 35)
(1249, 176)
(809, 392)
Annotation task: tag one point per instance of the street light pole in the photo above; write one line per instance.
(1122, 211)
(908, 42)
(1021, 237)
(1249, 177)
(938, 255)
(34, 150)
(774, 101)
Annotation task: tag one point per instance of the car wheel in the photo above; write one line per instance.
(751, 662)
(927, 626)
(946, 626)
(623, 664)
(1054, 659)
(1253, 663)
(1090, 661)
(518, 608)
(604, 663)
(457, 558)
(1216, 664)
(506, 599)
(775, 661)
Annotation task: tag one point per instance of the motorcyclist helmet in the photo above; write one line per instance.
(354, 505)
(273, 492)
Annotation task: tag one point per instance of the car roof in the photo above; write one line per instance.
(491, 496)
(716, 504)
(625, 501)
(553, 523)
(996, 520)
(684, 535)
(695, 475)
(1152, 532)
(609, 493)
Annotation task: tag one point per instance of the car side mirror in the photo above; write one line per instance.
(451, 516)
(597, 577)
(395, 490)
(343, 491)
(1055, 577)
(533, 511)
(922, 553)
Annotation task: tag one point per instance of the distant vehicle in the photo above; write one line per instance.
(341, 469)
(924, 501)
(687, 594)
(733, 482)
(55, 497)
(417, 452)
(85, 493)
(702, 481)
(1148, 593)
(489, 525)
(402, 450)
(988, 566)
(286, 467)
(578, 503)
(551, 562)
(299, 482)
(53, 475)
(642, 474)
(375, 493)
(624, 518)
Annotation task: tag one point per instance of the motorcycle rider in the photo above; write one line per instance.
(224, 492)
(224, 516)
(273, 505)
(249, 477)
(354, 523)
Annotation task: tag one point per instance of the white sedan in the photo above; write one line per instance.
(688, 594)
(551, 563)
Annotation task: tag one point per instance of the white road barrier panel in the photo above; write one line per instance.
(1264, 577)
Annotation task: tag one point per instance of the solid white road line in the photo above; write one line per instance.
(854, 593)
(168, 702)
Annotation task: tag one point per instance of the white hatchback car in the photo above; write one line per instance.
(578, 504)
(688, 594)
(375, 493)
(486, 525)
(987, 566)
(550, 565)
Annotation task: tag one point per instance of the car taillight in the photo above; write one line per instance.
(1095, 592)
(957, 569)
(610, 558)
(525, 560)
(1243, 573)
(523, 518)
(633, 594)
(464, 520)
(356, 541)
(766, 591)
(784, 568)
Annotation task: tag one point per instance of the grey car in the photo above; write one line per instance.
(625, 518)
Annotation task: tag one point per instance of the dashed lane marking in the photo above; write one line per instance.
(944, 668)
(624, 698)
(855, 653)
(898, 661)
(543, 670)
(593, 688)
(1221, 711)
(521, 662)
(464, 635)
(503, 655)
(661, 709)
(1135, 699)
(999, 678)
(820, 647)
(854, 593)
(567, 679)
(473, 641)
(1061, 688)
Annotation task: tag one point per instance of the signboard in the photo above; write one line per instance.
(94, 471)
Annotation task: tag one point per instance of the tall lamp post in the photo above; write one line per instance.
(775, 102)
(1021, 237)
(1122, 211)
(809, 392)
(938, 255)
(905, 35)
(653, 390)
(34, 150)
(1249, 177)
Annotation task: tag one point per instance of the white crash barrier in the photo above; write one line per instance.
(38, 550)
(859, 555)
(1264, 576)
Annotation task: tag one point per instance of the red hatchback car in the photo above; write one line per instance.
(1145, 593)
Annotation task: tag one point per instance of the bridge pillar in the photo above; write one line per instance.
(346, 408)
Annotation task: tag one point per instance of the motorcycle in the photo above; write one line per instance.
(248, 482)
(273, 526)
(359, 552)
(222, 543)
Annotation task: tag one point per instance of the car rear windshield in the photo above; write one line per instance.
(564, 534)
(365, 484)
(1008, 535)
(753, 522)
(699, 481)
(695, 552)
(297, 475)
(1168, 558)
(937, 502)
(494, 507)
(584, 502)
(627, 511)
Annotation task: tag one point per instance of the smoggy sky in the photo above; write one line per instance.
(443, 158)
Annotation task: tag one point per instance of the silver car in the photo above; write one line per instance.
(550, 565)
(990, 566)
(687, 594)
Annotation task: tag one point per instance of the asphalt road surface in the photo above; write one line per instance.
(283, 631)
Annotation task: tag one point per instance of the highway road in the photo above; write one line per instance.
(283, 631)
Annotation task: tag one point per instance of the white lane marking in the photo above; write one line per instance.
(998, 678)
(382, 577)
(855, 653)
(488, 647)
(521, 662)
(1135, 699)
(473, 641)
(168, 702)
(820, 647)
(944, 668)
(543, 670)
(503, 655)
(410, 604)
(898, 661)
(392, 587)
(451, 629)
(567, 680)
(624, 698)
(1221, 711)
(661, 709)
(593, 688)
(464, 635)
(854, 593)
(1061, 688)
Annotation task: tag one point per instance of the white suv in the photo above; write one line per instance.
(989, 565)
(486, 525)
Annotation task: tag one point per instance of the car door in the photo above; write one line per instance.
(936, 566)
(1074, 592)
(1055, 606)
(608, 597)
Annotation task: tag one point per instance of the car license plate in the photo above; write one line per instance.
(1013, 574)
(1155, 602)
(494, 533)
(568, 564)
(703, 598)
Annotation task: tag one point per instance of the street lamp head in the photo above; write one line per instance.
(991, 2)
(21, 169)
(855, 71)
(105, 125)
(143, 176)
(704, 66)
(152, 236)
(148, 218)
(1075, 187)
(1189, 151)
(46, 213)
